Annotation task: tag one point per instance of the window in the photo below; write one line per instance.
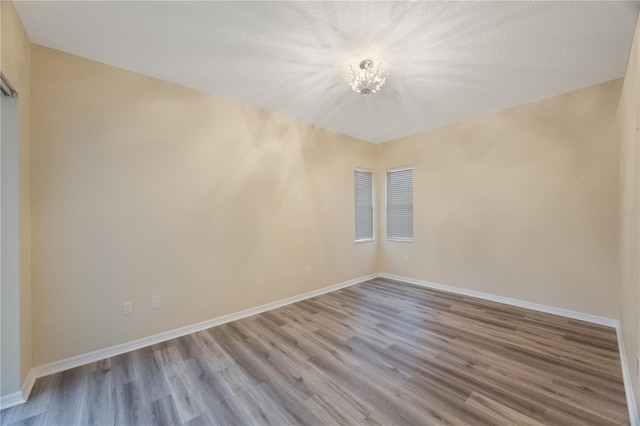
(363, 185)
(400, 204)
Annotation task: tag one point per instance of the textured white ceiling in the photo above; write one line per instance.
(446, 61)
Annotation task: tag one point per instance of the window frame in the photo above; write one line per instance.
(373, 206)
(386, 205)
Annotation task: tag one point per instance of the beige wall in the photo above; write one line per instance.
(629, 117)
(513, 203)
(16, 65)
(142, 188)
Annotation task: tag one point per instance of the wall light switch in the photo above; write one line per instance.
(154, 302)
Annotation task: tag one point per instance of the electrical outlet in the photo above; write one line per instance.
(127, 308)
(154, 302)
(307, 271)
(406, 259)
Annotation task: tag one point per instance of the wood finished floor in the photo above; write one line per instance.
(380, 352)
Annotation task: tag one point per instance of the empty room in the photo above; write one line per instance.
(320, 213)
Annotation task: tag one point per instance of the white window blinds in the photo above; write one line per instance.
(363, 185)
(400, 204)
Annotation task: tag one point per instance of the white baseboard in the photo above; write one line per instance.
(28, 383)
(626, 375)
(76, 361)
(609, 322)
(11, 400)
(21, 396)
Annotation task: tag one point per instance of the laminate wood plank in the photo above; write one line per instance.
(604, 391)
(327, 414)
(37, 420)
(64, 408)
(290, 401)
(359, 317)
(447, 401)
(396, 328)
(150, 375)
(613, 386)
(477, 320)
(375, 336)
(331, 411)
(204, 419)
(123, 369)
(187, 404)
(549, 397)
(501, 413)
(215, 355)
(349, 298)
(592, 361)
(528, 397)
(609, 357)
(384, 372)
(519, 371)
(463, 381)
(327, 347)
(564, 348)
(380, 352)
(127, 404)
(567, 347)
(605, 404)
(299, 321)
(312, 381)
(262, 409)
(163, 412)
(377, 306)
(337, 328)
(283, 368)
(97, 404)
(313, 307)
(384, 398)
(243, 357)
(557, 365)
(277, 339)
(285, 338)
(226, 412)
(432, 410)
(186, 348)
(209, 382)
(553, 417)
(374, 358)
(276, 316)
(554, 322)
(348, 402)
(218, 389)
(376, 419)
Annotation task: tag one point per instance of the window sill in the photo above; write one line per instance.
(365, 241)
(401, 240)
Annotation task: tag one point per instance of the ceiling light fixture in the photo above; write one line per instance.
(366, 80)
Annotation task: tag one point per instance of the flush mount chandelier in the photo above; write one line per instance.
(366, 80)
